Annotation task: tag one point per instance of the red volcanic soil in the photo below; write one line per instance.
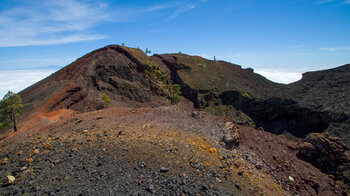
(123, 150)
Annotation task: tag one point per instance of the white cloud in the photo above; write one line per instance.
(43, 22)
(50, 22)
(182, 9)
(297, 46)
(279, 76)
(325, 1)
(17, 80)
(202, 55)
(333, 49)
(339, 2)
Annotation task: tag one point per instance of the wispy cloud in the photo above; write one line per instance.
(339, 2)
(182, 9)
(50, 22)
(297, 46)
(44, 22)
(325, 1)
(333, 49)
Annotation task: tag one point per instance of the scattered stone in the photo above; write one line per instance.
(195, 114)
(86, 131)
(141, 165)
(4, 161)
(240, 173)
(238, 186)
(121, 132)
(36, 151)
(237, 163)
(204, 187)
(213, 150)
(29, 160)
(74, 149)
(197, 165)
(150, 188)
(10, 179)
(260, 129)
(258, 166)
(164, 169)
(291, 178)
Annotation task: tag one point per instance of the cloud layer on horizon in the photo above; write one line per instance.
(283, 77)
(17, 80)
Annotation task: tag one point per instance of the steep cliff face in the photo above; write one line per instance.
(250, 99)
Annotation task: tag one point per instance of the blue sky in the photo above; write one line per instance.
(278, 38)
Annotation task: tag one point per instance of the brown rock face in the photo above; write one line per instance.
(326, 153)
(231, 135)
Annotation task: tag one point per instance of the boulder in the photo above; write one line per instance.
(231, 134)
(326, 153)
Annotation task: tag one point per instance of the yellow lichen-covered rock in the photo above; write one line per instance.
(203, 147)
(213, 150)
(4, 161)
(47, 145)
(10, 179)
(29, 160)
(36, 151)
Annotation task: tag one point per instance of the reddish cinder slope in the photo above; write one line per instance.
(113, 70)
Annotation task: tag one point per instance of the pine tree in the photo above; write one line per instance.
(10, 106)
(148, 51)
(176, 94)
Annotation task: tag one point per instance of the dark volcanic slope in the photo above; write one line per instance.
(327, 91)
(316, 103)
(132, 79)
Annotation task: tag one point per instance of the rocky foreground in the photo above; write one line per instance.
(161, 151)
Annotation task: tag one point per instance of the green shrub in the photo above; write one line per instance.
(246, 95)
(107, 100)
(176, 93)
